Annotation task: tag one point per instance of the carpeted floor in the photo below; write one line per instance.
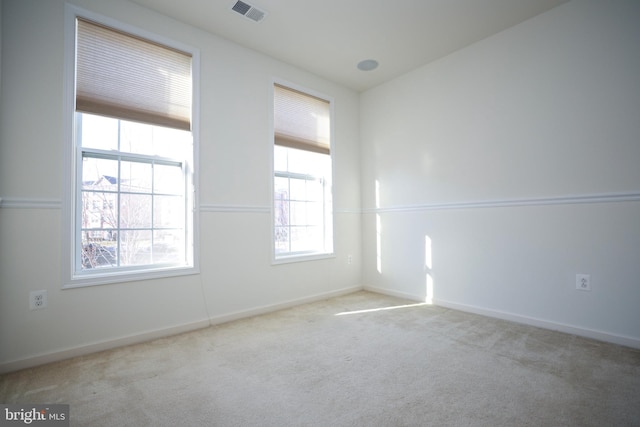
(359, 360)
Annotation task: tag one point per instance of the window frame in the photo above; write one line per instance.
(301, 256)
(72, 274)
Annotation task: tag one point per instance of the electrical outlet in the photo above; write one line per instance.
(37, 300)
(583, 282)
(349, 259)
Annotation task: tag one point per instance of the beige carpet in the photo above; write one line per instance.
(341, 362)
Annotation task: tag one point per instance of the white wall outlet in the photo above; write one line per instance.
(37, 300)
(583, 282)
(349, 259)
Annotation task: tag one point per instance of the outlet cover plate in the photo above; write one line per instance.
(583, 282)
(37, 300)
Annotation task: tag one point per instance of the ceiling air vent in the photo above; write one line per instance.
(249, 11)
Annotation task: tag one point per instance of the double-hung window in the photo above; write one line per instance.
(133, 193)
(303, 208)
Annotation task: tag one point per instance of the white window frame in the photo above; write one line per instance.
(72, 276)
(299, 257)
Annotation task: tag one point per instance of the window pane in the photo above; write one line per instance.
(281, 188)
(135, 211)
(315, 190)
(168, 211)
(167, 179)
(135, 247)
(99, 210)
(282, 240)
(168, 142)
(136, 137)
(298, 213)
(281, 212)
(301, 239)
(98, 132)
(315, 215)
(98, 253)
(280, 158)
(298, 189)
(99, 174)
(168, 246)
(136, 177)
(303, 161)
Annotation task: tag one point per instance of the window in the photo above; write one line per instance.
(133, 193)
(303, 209)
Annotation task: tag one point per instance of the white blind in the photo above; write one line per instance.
(125, 76)
(301, 121)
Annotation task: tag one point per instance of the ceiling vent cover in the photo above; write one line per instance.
(249, 11)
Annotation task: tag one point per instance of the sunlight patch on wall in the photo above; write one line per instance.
(378, 231)
(428, 266)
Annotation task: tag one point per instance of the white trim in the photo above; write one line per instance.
(502, 203)
(215, 320)
(29, 203)
(393, 293)
(287, 259)
(347, 211)
(56, 356)
(517, 318)
(122, 276)
(47, 203)
(545, 324)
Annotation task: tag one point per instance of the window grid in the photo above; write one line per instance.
(89, 246)
(289, 223)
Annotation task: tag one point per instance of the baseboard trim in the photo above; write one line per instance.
(512, 317)
(393, 293)
(56, 356)
(242, 314)
(544, 324)
(84, 350)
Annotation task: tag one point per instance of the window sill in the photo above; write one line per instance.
(302, 257)
(84, 280)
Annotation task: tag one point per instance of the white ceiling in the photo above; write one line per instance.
(330, 37)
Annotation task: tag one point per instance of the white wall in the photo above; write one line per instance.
(236, 275)
(509, 155)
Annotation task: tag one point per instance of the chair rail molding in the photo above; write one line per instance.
(515, 202)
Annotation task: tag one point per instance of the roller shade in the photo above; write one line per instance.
(301, 121)
(124, 76)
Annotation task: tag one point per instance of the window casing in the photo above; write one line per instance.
(302, 176)
(131, 206)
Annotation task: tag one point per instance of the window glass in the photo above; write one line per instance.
(133, 205)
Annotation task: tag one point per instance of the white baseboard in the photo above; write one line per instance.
(526, 320)
(83, 350)
(216, 320)
(545, 324)
(393, 293)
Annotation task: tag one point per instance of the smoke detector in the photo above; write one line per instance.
(249, 11)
